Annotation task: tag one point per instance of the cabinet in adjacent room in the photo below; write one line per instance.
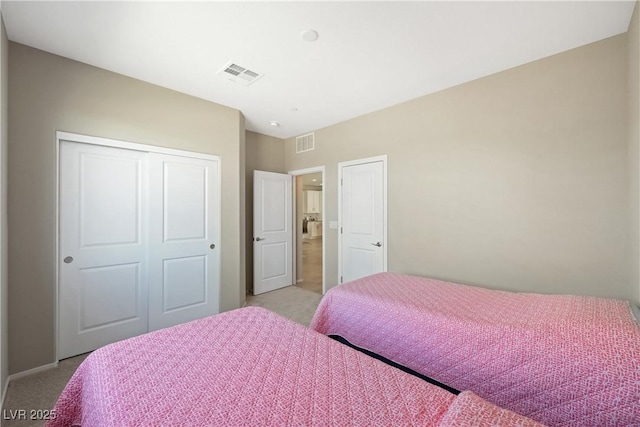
(313, 201)
(315, 229)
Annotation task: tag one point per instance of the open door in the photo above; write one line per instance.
(272, 231)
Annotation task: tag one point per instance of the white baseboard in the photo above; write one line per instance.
(31, 371)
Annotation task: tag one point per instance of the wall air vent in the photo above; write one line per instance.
(239, 74)
(305, 143)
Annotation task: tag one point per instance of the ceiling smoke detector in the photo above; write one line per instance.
(309, 35)
(239, 74)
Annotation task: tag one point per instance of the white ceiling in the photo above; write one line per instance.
(312, 179)
(370, 55)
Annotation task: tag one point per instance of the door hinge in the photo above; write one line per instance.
(340, 230)
(340, 181)
(340, 279)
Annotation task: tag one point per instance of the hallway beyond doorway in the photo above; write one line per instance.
(312, 265)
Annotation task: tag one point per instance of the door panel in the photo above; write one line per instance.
(363, 220)
(103, 286)
(274, 263)
(108, 295)
(272, 231)
(185, 282)
(361, 202)
(116, 205)
(275, 205)
(360, 263)
(184, 259)
(185, 195)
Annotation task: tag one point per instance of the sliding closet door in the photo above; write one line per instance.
(103, 246)
(184, 259)
(138, 239)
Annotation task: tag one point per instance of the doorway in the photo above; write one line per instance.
(309, 229)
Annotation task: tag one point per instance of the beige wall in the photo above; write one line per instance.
(633, 46)
(4, 228)
(265, 153)
(49, 93)
(514, 181)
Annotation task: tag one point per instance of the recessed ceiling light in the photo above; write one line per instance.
(274, 123)
(314, 180)
(309, 35)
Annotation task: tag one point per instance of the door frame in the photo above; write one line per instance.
(341, 166)
(296, 173)
(114, 143)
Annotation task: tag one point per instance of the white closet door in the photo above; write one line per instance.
(184, 257)
(363, 220)
(103, 258)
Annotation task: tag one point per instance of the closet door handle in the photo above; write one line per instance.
(68, 260)
(259, 239)
(378, 244)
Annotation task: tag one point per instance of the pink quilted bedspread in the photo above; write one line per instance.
(253, 367)
(561, 360)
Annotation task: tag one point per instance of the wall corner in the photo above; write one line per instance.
(633, 139)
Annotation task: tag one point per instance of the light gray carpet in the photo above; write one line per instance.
(41, 390)
(291, 302)
(36, 392)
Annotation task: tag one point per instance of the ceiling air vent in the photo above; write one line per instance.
(305, 143)
(239, 74)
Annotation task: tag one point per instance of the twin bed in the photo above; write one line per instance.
(559, 360)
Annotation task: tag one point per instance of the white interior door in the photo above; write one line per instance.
(363, 219)
(184, 259)
(103, 261)
(272, 231)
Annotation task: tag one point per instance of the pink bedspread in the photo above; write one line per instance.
(250, 367)
(561, 360)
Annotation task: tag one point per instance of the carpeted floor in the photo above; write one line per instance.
(40, 391)
(291, 302)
